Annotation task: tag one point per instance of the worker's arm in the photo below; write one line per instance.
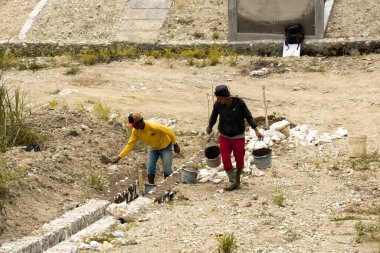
(168, 131)
(130, 145)
(213, 118)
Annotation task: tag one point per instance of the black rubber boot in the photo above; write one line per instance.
(151, 178)
(232, 180)
(238, 176)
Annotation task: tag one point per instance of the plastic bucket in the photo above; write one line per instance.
(357, 145)
(212, 154)
(188, 176)
(263, 158)
(149, 187)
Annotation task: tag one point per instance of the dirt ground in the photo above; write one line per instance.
(318, 185)
(325, 93)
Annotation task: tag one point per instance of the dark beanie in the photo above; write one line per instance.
(222, 91)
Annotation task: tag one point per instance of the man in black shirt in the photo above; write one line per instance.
(232, 111)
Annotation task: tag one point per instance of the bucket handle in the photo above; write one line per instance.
(254, 145)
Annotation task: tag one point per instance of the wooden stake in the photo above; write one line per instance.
(141, 185)
(265, 107)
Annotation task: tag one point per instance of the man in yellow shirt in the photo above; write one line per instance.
(160, 140)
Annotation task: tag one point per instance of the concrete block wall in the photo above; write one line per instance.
(59, 229)
(267, 19)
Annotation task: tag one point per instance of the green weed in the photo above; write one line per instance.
(215, 35)
(53, 103)
(88, 57)
(72, 70)
(13, 129)
(291, 235)
(97, 181)
(366, 161)
(102, 110)
(233, 59)
(198, 35)
(213, 56)
(100, 238)
(279, 199)
(226, 243)
(368, 232)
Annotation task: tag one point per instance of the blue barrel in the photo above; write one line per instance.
(263, 158)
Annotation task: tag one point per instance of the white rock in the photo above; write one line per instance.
(217, 180)
(278, 126)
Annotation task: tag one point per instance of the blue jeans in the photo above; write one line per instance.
(166, 158)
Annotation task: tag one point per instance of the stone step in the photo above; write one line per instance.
(58, 230)
(73, 243)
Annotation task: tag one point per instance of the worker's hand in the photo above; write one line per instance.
(176, 148)
(258, 134)
(208, 130)
(115, 159)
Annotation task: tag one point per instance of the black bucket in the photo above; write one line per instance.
(263, 158)
(212, 153)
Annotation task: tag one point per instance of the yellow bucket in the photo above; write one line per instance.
(357, 145)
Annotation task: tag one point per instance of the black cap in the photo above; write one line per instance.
(222, 91)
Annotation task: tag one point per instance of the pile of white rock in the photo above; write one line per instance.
(279, 132)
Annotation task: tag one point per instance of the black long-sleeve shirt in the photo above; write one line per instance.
(231, 120)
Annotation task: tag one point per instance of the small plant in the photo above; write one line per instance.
(97, 181)
(213, 56)
(88, 57)
(155, 54)
(149, 60)
(291, 235)
(279, 199)
(233, 59)
(364, 162)
(72, 70)
(105, 55)
(53, 103)
(215, 35)
(369, 232)
(13, 129)
(198, 35)
(103, 111)
(35, 66)
(80, 107)
(226, 243)
(100, 238)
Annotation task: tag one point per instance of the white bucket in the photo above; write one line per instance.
(357, 145)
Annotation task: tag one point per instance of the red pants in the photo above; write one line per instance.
(232, 145)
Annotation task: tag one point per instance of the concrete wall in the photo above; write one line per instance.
(267, 19)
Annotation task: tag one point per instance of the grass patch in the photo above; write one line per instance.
(72, 70)
(347, 217)
(102, 110)
(366, 162)
(100, 238)
(8, 176)
(53, 103)
(226, 243)
(368, 232)
(14, 131)
(279, 199)
(291, 235)
(97, 181)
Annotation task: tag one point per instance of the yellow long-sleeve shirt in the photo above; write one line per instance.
(155, 135)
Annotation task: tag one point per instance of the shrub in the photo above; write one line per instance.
(103, 111)
(72, 71)
(226, 243)
(13, 129)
